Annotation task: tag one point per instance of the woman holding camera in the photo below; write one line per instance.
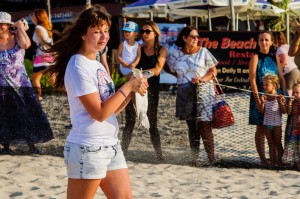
(43, 38)
(21, 116)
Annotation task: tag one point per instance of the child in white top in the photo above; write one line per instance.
(272, 107)
(129, 51)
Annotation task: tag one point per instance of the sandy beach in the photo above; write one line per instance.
(44, 176)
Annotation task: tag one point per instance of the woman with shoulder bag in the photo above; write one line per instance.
(195, 67)
(43, 38)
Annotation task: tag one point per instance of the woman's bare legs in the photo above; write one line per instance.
(116, 185)
(82, 188)
(194, 139)
(260, 143)
(36, 82)
(208, 139)
(52, 79)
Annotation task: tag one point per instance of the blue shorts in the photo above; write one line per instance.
(92, 162)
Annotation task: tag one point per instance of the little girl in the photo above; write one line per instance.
(292, 139)
(129, 51)
(272, 107)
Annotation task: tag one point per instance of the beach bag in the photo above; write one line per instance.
(222, 115)
(40, 60)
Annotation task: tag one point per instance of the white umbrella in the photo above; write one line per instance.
(146, 9)
(210, 8)
(264, 8)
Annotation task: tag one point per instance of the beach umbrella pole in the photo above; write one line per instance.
(49, 10)
(287, 28)
(209, 20)
(232, 15)
(248, 23)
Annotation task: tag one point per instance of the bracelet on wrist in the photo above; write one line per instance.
(122, 92)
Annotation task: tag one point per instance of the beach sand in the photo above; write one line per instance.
(44, 176)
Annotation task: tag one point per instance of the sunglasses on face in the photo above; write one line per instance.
(142, 31)
(194, 36)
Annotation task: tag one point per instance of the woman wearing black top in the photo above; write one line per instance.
(153, 57)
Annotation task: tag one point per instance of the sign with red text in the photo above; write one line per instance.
(233, 51)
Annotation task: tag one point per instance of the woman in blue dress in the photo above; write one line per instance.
(262, 63)
(21, 115)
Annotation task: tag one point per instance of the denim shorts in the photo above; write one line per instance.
(92, 162)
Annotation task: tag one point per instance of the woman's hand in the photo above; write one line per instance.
(263, 99)
(291, 100)
(139, 85)
(19, 25)
(128, 77)
(197, 80)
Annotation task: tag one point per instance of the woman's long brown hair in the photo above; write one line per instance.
(42, 19)
(156, 30)
(71, 40)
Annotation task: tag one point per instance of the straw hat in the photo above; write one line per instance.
(5, 18)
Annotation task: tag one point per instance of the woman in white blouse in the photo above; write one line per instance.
(195, 67)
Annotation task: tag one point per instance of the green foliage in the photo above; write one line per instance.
(45, 83)
(29, 67)
(118, 79)
(277, 23)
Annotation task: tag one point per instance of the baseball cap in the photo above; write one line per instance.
(131, 26)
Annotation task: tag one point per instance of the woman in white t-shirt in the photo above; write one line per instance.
(291, 72)
(92, 152)
(195, 67)
(42, 37)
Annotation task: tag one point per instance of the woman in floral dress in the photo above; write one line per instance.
(21, 117)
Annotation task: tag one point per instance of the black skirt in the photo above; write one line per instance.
(22, 118)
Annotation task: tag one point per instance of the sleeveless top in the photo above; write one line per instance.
(148, 62)
(129, 54)
(37, 41)
(272, 115)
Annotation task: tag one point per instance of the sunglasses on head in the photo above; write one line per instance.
(194, 36)
(142, 31)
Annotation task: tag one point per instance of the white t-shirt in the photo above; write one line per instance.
(84, 76)
(284, 49)
(129, 54)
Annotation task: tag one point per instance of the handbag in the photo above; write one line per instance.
(222, 115)
(40, 60)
